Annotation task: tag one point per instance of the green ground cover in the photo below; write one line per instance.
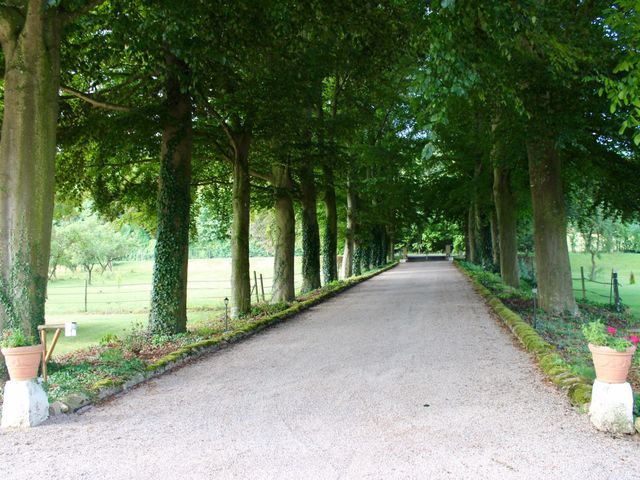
(119, 299)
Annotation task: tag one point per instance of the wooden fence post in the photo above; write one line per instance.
(255, 281)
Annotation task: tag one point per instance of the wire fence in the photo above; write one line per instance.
(613, 286)
(127, 297)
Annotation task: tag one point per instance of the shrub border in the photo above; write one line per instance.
(577, 387)
(104, 389)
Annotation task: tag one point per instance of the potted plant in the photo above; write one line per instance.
(21, 353)
(612, 352)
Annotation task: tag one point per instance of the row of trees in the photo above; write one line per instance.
(322, 106)
(523, 132)
(143, 105)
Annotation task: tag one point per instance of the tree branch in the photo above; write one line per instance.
(225, 126)
(263, 176)
(91, 100)
(209, 181)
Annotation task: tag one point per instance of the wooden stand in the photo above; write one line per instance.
(46, 353)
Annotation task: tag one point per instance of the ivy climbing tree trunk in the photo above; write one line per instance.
(330, 244)
(283, 288)
(555, 287)
(358, 254)
(349, 234)
(367, 253)
(505, 200)
(310, 231)
(30, 37)
(169, 293)
(240, 278)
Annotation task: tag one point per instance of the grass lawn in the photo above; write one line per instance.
(623, 263)
(119, 299)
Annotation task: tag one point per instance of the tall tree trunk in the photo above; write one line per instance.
(367, 253)
(283, 288)
(240, 278)
(472, 254)
(495, 238)
(550, 226)
(169, 294)
(505, 201)
(358, 251)
(347, 257)
(31, 46)
(310, 232)
(330, 244)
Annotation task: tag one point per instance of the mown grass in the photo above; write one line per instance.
(624, 263)
(120, 298)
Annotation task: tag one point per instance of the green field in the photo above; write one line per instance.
(623, 263)
(120, 298)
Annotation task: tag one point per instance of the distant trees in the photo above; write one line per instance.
(88, 243)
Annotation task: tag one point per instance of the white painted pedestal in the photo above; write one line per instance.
(611, 407)
(25, 404)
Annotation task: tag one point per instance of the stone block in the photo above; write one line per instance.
(611, 408)
(25, 404)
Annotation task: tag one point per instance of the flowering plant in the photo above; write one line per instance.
(597, 333)
(15, 337)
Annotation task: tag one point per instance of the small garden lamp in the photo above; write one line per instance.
(226, 314)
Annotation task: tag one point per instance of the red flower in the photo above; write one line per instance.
(634, 339)
(611, 330)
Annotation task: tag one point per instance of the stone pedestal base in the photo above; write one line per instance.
(25, 404)
(611, 407)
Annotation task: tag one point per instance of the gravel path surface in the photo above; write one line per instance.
(404, 376)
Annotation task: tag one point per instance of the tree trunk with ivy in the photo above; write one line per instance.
(30, 38)
(330, 244)
(367, 252)
(358, 251)
(555, 287)
(169, 293)
(505, 201)
(349, 234)
(283, 288)
(310, 231)
(240, 274)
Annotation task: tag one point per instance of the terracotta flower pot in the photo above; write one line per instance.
(611, 366)
(23, 362)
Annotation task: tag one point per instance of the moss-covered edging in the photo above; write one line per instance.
(552, 364)
(104, 389)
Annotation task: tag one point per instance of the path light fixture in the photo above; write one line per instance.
(226, 314)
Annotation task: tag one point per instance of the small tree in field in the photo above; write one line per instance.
(86, 244)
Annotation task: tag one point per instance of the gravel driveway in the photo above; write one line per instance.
(404, 376)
